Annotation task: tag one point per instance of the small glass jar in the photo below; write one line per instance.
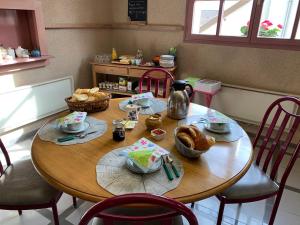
(118, 131)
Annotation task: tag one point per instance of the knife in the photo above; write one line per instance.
(72, 137)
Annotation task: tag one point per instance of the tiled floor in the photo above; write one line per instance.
(206, 210)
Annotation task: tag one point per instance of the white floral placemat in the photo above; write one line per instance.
(236, 132)
(50, 132)
(155, 106)
(114, 176)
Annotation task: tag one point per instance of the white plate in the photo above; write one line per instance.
(84, 127)
(218, 131)
(134, 168)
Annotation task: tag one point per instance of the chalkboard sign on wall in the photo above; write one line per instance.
(137, 10)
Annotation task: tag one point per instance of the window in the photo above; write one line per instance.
(257, 23)
(298, 31)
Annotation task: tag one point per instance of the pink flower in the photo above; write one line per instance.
(265, 26)
(267, 22)
(279, 26)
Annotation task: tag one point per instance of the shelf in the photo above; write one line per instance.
(23, 64)
(118, 92)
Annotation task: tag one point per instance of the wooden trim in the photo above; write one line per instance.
(220, 14)
(188, 19)
(78, 26)
(24, 64)
(231, 42)
(150, 27)
(126, 26)
(296, 23)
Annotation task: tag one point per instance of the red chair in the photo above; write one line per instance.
(257, 184)
(163, 213)
(22, 188)
(156, 76)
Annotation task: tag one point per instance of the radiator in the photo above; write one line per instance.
(246, 104)
(30, 103)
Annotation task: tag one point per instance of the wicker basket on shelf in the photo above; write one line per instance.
(90, 107)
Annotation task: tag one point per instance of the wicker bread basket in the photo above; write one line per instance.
(90, 107)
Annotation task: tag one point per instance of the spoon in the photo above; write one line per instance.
(85, 134)
(170, 160)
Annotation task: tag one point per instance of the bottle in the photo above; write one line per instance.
(129, 85)
(114, 54)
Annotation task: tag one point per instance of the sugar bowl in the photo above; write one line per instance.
(153, 121)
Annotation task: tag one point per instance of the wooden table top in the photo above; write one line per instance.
(72, 168)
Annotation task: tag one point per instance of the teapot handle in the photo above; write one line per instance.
(190, 94)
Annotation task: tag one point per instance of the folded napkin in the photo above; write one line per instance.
(146, 95)
(73, 118)
(144, 153)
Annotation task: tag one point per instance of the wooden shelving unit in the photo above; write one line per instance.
(118, 92)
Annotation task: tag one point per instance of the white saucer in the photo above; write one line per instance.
(218, 131)
(83, 128)
(134, 168)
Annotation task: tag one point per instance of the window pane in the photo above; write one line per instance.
(205, 17)
(235, 18)
(278, 18)
(298, 31)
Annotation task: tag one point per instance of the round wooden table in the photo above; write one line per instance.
(72, 168)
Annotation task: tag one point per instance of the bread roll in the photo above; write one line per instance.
(188, 130)
(81, 97)
(94, 90)
(73, 99)
(186, 139)
(99, 95)
(82, 91)
(91, 99)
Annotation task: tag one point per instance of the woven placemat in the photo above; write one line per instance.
(156, 106)
(114, 176)
(50, 132)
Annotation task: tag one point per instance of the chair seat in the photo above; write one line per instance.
(138, 212)
(255, 183)
(21, 185)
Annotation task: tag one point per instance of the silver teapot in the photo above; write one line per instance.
(179, 100)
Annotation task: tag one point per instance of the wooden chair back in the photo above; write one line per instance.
(175, 208)
(275, 137)
(157, 77)
(6, 156)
